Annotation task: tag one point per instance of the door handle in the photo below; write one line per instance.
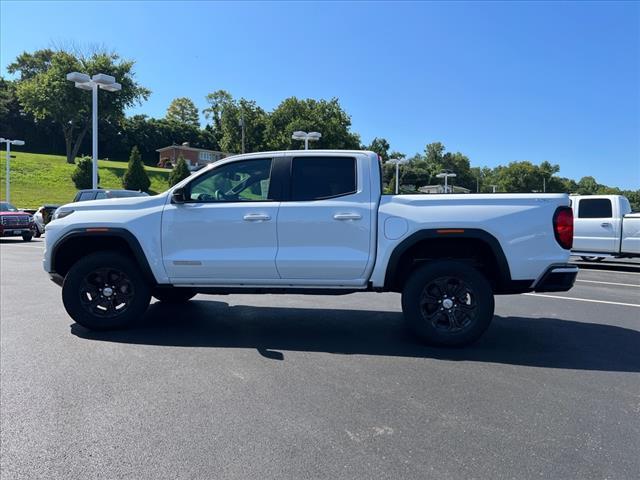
(347, 216)
(256, 217)
(605, 224)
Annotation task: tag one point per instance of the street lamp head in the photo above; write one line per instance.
(78, 77)
(299, 135)
(113, 87)
(17, 142)
(84, 86)
(103, 79)
(314, 135)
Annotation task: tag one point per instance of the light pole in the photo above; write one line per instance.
(85, 82)
(397, 162)
(8, 184)
(307, 137)
(446, 176)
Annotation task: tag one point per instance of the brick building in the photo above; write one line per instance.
(195, 157)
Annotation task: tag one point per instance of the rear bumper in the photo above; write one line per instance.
(557, 278)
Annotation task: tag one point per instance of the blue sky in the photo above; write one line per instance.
(497, 81)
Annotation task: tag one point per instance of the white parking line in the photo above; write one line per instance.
(598, 270)
(609, 283)
(583, 300)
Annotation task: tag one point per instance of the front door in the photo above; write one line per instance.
(324, 227)
(226, 231)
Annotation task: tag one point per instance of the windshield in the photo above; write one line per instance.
(7, 207)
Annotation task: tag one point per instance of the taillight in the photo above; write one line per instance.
(563, 227)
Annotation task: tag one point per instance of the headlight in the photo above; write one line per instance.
(61, 213)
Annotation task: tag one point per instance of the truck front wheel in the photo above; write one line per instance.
(105, 291)
(447, 303)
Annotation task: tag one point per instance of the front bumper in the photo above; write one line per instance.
(557, 278)
(56, 278)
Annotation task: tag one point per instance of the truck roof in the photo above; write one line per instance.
(314, 152)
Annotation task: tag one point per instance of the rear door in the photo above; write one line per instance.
(324, 226)
(595, 228)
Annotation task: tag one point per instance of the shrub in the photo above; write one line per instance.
(81, 176)
(180, 172)
(136, 178)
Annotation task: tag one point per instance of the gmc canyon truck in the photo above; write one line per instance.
(310, 222)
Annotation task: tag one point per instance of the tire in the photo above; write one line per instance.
(38, 234)
(174, 294)
(27, 237)
(592, 259)
(447, 303)
(96, 283)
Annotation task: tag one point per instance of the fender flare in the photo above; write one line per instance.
(466, 233)
(120, 233)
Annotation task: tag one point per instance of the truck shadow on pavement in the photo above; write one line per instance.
(538, 342)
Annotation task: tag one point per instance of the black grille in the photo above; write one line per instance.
(15, 220)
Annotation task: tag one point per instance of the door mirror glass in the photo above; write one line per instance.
(178, 196)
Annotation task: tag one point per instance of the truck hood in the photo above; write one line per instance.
(13, 214)
(127, 203)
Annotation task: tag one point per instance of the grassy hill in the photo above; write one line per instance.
(37, 179)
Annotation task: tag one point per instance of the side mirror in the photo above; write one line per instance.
(178, 196)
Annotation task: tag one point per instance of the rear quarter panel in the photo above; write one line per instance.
(522, 224)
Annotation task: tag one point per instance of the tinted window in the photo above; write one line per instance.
(86, 196)
(101, 195)
(244, 181)
(315, 178)
(594, 208)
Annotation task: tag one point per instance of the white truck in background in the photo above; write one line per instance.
(604, 226)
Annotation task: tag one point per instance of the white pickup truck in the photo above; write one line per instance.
(604, 227)
(310, 222)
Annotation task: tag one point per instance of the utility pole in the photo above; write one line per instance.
(544, 184)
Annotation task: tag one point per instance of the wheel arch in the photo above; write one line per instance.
(81, 242)
(474, 245)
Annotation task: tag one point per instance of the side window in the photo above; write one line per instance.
(101, 195)
(243, 181)
(86, 196)
(317, 178)
(594, 208)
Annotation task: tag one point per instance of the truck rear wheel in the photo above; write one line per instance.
(174, 294)
(105, 291)
(447, 303)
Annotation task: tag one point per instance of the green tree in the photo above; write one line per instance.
(324, 116)
(588, 186)
(82, 174)
(229, 117)
(179, 172)
(183, 110)
(136, 178)
(380, 146)
(44, 91)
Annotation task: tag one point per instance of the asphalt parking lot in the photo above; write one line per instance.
(299, 387)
